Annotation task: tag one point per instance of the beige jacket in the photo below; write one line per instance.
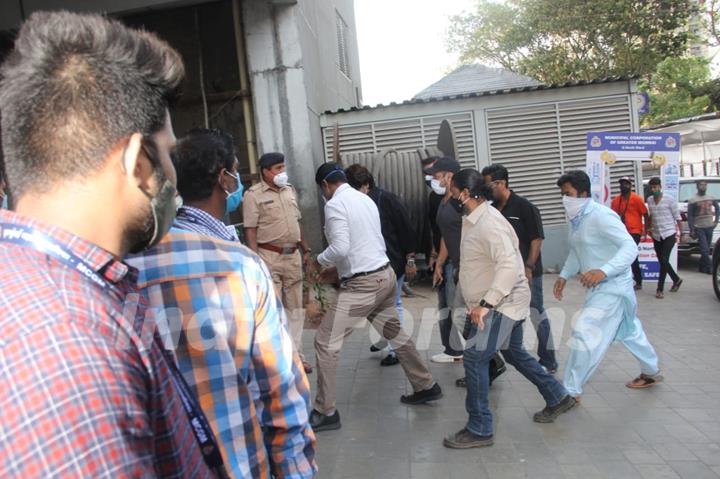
(491, 267)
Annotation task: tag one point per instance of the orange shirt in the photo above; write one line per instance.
(631, 212)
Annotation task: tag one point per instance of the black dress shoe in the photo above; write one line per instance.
(390, 360)
(551, 412)
(421, 397)
(379, 346)
(321, 422)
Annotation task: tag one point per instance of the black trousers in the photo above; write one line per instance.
(637, 274)
(662, 250)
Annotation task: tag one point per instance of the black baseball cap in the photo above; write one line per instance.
(271, 159)
(444, 164)
(329, 170)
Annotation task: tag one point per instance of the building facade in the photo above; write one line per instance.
(263, 70)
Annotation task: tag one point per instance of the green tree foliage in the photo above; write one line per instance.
(557, 41)
(675, 90)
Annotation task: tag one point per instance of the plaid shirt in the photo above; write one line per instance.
(194, 219)
(216, 301)
(81, 395)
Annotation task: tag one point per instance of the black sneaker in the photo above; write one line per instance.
(390, 360)
(321, 422)
(464, 439)
(676, 285)
(379, 346)
(421, 397)
(551, 412)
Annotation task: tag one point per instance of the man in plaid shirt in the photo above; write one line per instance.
(214, 299)
(86, 138)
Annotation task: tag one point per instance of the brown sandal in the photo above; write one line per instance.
(644, 381)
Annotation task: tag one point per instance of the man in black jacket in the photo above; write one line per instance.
(399, 235)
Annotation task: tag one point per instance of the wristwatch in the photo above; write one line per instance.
(487, 305)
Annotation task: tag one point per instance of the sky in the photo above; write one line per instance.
(402, 45)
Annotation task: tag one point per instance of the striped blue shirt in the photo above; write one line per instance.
(194, 219)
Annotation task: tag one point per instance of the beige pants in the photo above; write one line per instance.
(371, 297)
(287, 275)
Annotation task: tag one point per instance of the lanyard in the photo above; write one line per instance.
(26, 236)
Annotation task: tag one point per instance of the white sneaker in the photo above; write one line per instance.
(446, 358)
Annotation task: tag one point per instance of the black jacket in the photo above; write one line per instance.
(398, 232)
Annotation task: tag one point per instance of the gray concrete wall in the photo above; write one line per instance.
(294, 73)
(282, 119)
(327, 87)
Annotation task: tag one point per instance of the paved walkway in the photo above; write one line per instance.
(669, 431)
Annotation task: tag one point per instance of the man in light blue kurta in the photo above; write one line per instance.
(601, 253)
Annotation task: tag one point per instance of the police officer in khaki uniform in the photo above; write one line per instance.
(271, 219)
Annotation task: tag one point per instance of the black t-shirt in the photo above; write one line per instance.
(527, 223)
(449, 222)
(433, 203)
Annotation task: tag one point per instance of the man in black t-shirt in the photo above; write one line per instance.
(449, 223)
(434, 199)
(527, 223)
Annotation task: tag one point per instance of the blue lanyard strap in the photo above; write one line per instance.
(29, 237)
(24, 236)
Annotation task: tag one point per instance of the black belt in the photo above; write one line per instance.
(366, 273)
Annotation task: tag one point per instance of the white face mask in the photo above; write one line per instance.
(428, 178)
(281, 180)
(178, 202)
(435, 185)
(574, 206)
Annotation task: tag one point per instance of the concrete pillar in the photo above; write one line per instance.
(279, 92)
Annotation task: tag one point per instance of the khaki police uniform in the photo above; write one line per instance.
(276, 215)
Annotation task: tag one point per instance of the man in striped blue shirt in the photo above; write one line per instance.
(208, 182)
(213, 299)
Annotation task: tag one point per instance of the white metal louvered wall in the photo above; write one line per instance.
(538, 143)
(404, 135)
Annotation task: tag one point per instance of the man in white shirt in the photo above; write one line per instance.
(356, 251)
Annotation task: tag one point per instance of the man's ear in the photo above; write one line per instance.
(222, 180)
(135, 164)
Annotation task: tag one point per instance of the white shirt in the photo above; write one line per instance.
(352, 229)
(663, 217)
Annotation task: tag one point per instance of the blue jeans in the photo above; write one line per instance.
(704, 236)
(546, 348)
(504, 334)
(449, 336)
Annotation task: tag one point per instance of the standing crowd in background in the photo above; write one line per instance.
(142, 338)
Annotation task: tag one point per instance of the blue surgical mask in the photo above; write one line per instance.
(5, 203)
(233, 200)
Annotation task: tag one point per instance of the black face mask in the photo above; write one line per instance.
(625, 190)
(456, 204)
(702, 192)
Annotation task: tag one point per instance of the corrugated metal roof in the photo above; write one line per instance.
(487, 93)
(691, 119)
(475, 78)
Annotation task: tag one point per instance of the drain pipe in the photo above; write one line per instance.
(249, 119)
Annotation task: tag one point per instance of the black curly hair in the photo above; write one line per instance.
(198, 157)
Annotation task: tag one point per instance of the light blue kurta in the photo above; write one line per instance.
(599, 240)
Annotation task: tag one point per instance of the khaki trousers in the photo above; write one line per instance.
(371, 297)
(287, 275)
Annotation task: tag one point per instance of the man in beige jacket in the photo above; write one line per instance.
(497, 296)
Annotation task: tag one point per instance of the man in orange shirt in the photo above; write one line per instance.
(633, 213)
